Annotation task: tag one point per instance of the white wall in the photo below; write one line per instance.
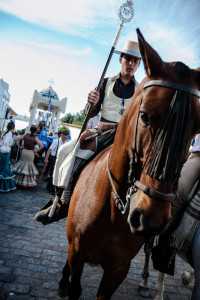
(4, 100)
(74, 132)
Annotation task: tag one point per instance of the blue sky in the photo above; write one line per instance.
(69, 42)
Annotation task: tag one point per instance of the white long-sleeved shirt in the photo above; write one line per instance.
(56, 145)
(93, 122)
(6, 143)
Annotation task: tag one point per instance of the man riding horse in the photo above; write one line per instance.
(113, 98)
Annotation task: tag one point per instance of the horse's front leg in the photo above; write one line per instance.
(64, 282)
(76, 264)
(160, 287)
(110, 281)
(143, 289)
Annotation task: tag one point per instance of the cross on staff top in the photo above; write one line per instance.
(51, 81)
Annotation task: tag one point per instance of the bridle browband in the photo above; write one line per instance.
(172, 85)
(136, 184)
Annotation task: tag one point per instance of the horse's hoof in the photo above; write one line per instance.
(62, 293)
(187, 278)
(143, 291)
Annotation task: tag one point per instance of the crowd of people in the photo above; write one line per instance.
(19, 154)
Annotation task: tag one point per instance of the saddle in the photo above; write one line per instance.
(105, 139)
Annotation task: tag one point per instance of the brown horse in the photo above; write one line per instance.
(148, 151)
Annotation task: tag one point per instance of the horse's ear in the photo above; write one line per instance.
(151, 59)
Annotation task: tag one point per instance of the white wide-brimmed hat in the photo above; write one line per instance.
(130, 48)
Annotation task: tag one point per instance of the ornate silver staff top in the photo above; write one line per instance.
(126, 12)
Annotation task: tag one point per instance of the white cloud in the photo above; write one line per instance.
(58, 48)
(94, 20)
(170, 42)
(61, 13)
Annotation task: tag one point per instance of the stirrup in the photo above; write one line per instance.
(43, 214)
(54, 206)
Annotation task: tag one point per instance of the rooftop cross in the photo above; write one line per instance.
(51, 81)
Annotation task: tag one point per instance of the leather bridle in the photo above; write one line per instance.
(136, 184)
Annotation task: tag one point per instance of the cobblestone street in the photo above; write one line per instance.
(32, 256)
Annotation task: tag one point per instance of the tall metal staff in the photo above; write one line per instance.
(125, 14)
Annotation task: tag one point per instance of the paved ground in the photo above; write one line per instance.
(32, 256)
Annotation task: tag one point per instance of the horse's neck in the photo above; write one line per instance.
(120, 156)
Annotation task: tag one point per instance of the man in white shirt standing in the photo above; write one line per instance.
(51, 157)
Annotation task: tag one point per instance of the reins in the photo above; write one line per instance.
(118, 202)
(178, 112)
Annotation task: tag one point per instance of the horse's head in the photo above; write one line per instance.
(162, 118)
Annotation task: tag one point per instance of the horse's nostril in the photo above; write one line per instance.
(136, 219)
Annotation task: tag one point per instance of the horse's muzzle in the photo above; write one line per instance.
(139, 224)
(137, 220)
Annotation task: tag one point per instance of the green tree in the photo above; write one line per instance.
(68, 118)
(77, 118)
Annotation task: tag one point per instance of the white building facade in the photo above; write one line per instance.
(49, 104)
(4, 101)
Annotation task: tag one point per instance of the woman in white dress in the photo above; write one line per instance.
(6, 175)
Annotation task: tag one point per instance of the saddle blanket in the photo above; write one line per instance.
(84, 149)
(182, 237)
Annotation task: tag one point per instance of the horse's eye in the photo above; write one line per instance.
(144, 117)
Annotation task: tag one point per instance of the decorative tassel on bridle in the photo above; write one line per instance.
(169, 144)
